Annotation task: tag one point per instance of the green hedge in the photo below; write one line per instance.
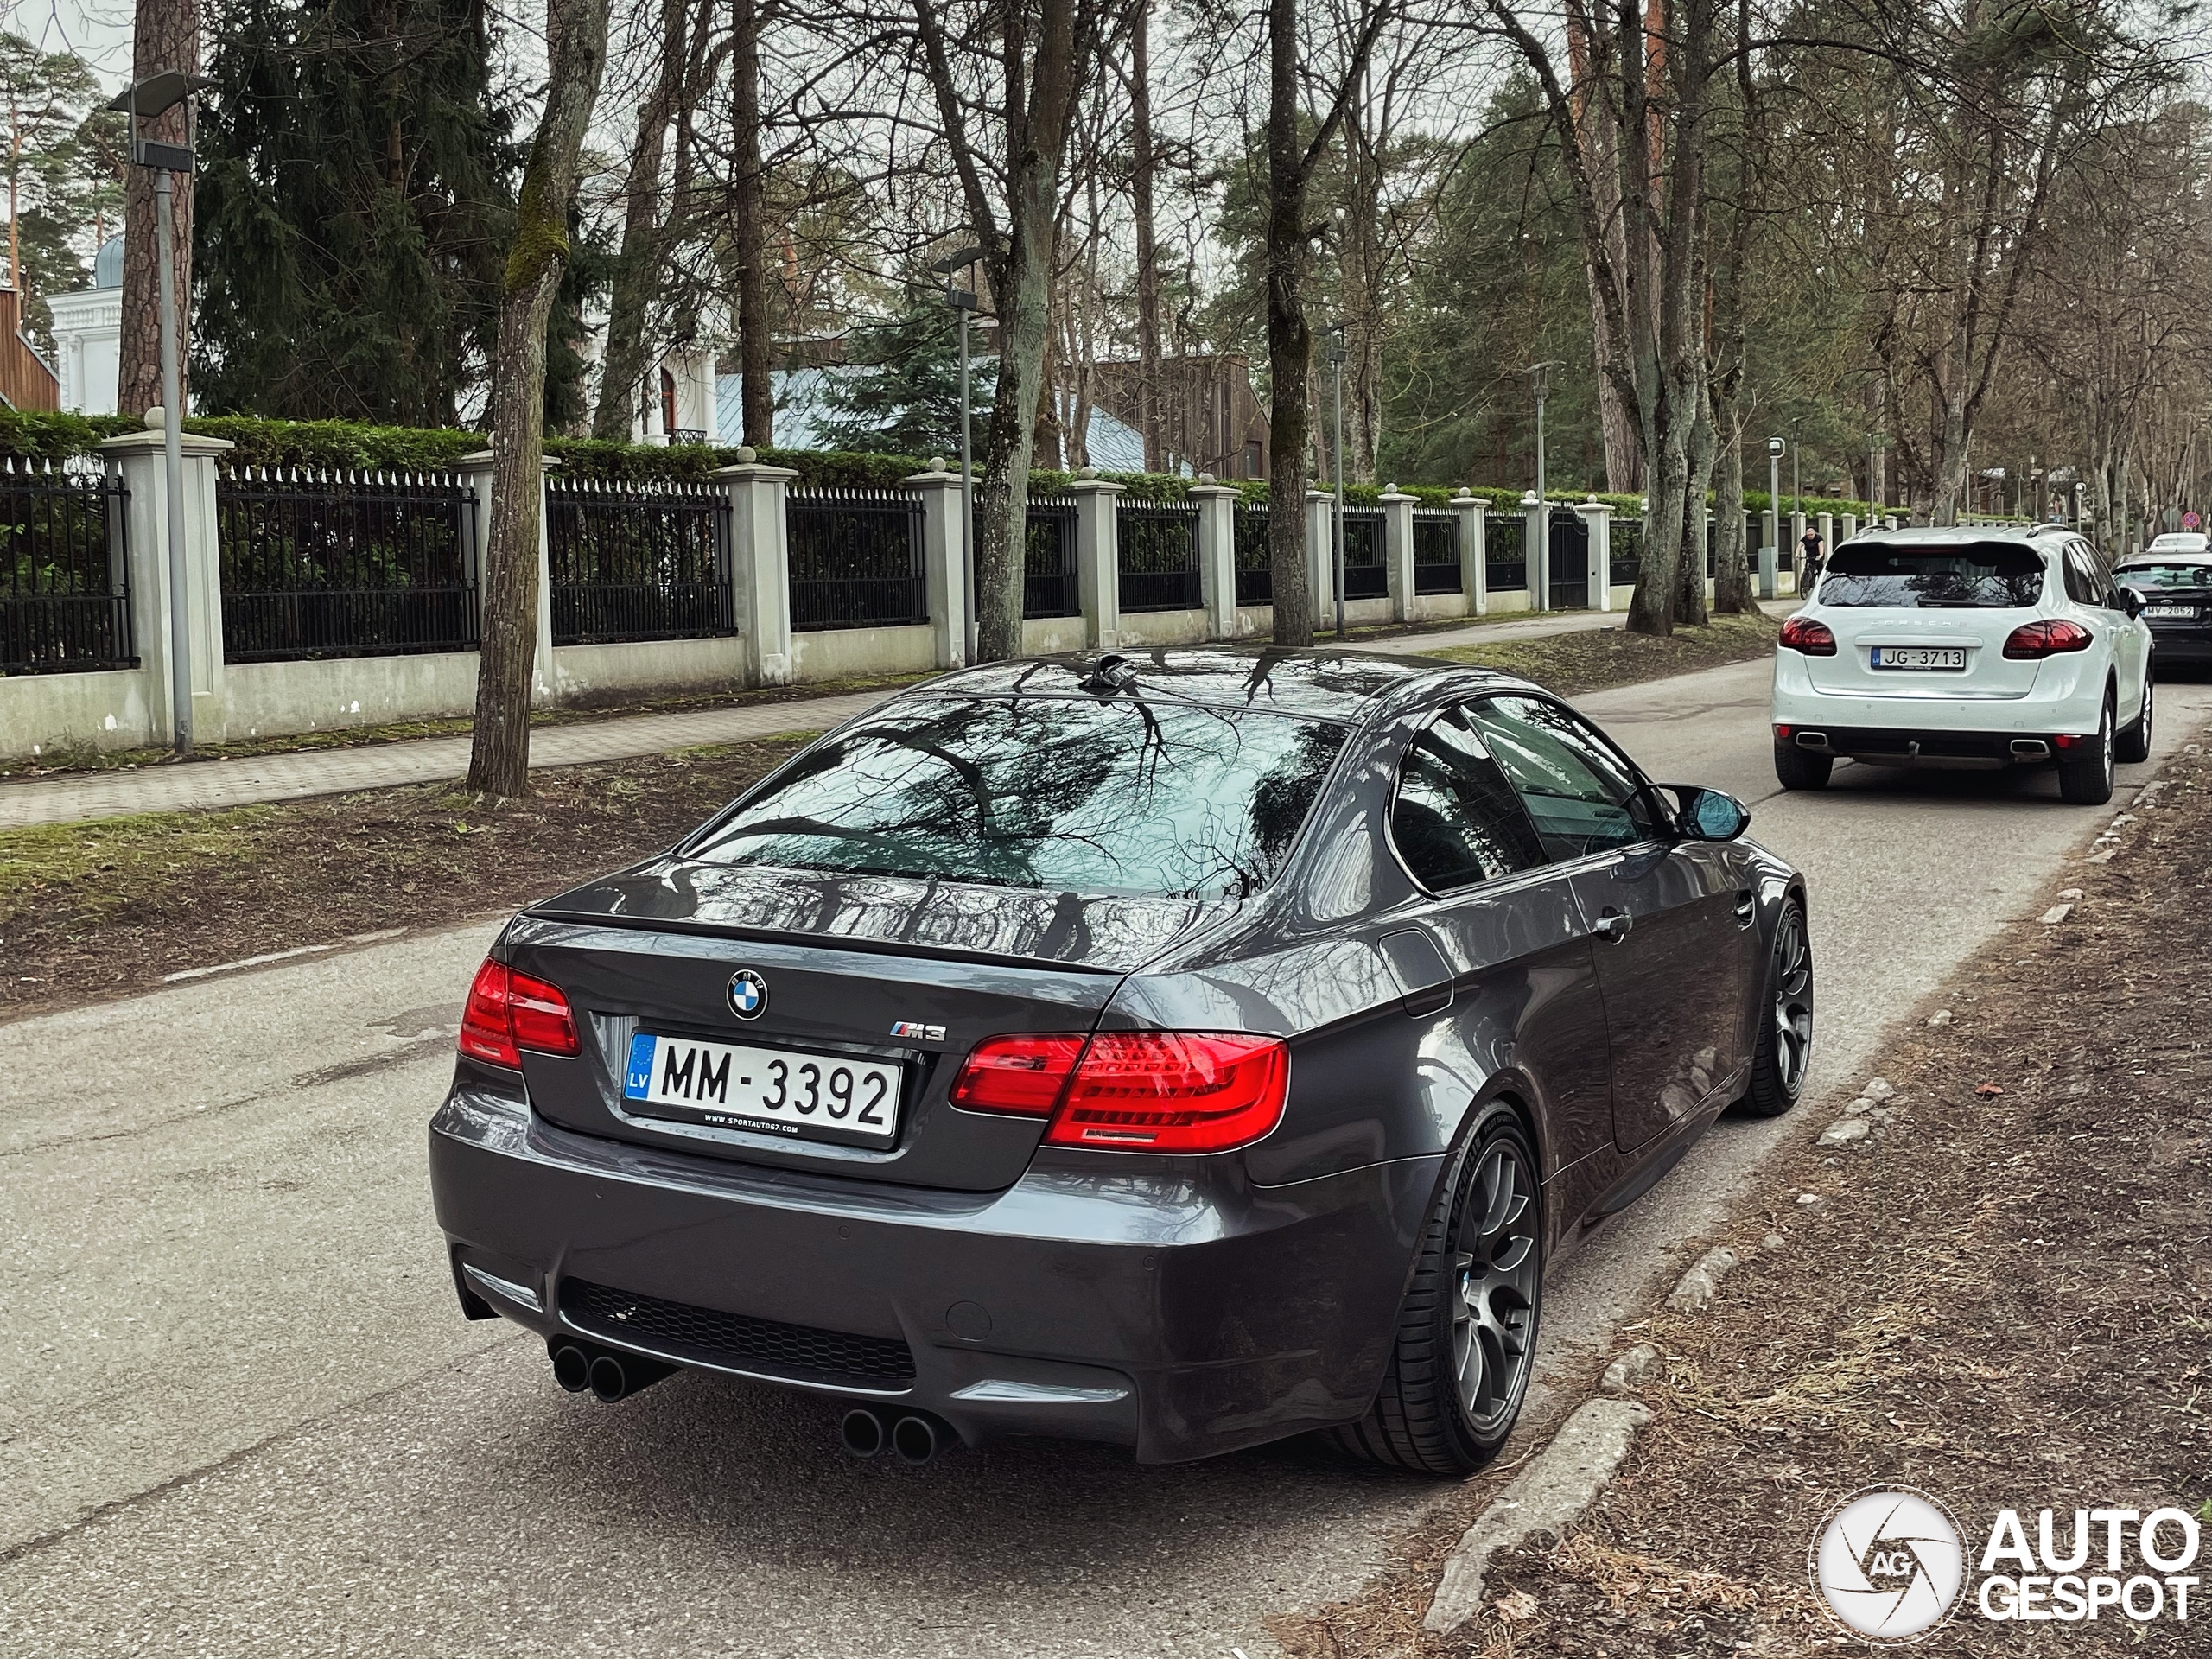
(407, 449)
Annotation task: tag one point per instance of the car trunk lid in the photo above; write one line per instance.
(850, 972)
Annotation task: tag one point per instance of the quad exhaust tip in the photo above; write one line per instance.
(609, 1375)
(864, 1432)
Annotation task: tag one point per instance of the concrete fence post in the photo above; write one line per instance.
(1321, 557)
(1850, 527)
(945, 561)
(1398, 552)
(760, 560)
(138, 456)
(1597, 519)
(476, 470)
(1474, 549)
(1216, 504)
(1097, 558)
(1536, 546)
(1825, 522)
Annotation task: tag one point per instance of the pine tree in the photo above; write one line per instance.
(355, 199)
(905, 397)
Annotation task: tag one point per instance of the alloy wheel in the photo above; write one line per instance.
(1792, 1002)
(2105, 739)
(1496, 1283)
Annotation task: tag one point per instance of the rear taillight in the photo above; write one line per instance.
(1802, 633)
(2033, 640)
(508, 1012)
(1021, 1075)
(1134, 1090)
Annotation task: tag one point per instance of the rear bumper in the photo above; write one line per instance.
(2177, 645)
(2066, 700)
(1101, 1299)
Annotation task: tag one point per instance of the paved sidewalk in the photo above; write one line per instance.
(203, 786)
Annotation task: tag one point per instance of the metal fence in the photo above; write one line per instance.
(1505, 559)
(332, 561)
(1436, 551)
(1255, 573)
(638, 562)
(1048, 585)
(1626, 559)
(1569, 562)
(65, 582)
(857, 559)
(1158, 556)
(1367, 569)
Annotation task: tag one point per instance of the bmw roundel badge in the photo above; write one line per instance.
(748, 994)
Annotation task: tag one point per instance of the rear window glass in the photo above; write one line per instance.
(1994, 578)
(2177, 573)
(1060, 794)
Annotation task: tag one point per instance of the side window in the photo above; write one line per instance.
(1456, 820)
(2081, 584)
(1580, 794)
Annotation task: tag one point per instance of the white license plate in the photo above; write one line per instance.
(2183, 612)
(775, 1090)
(1918, 656)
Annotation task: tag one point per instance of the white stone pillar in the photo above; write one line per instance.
(138, 457)
(1321, 557)
(1597, 519)
(476, 470)
(1097, 558)
(1216, 504)
(1474, 549)
(1537, 539)
(1398, 552)
(945, 559)
(1850, 527)
(760, 562)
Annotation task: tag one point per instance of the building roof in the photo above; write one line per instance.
(107, 264)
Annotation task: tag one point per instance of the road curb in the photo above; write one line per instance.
(1558, 1483)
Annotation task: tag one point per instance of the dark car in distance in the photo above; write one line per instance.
(1182, 1051)
(2175, 588)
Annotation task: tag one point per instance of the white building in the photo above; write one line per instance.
(88, 335)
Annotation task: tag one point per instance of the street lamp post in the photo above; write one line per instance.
(962, 301)
(1336, 539)
(145, 100)
(1541, 557)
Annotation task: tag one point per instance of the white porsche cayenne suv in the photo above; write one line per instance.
(1971, 648)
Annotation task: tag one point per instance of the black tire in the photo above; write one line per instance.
(1466, 1339)
(2134, 740)
(1785, 1051)
(1799, 768)
(2087, 781)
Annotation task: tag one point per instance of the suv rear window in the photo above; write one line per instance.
(1889, 577)
(2170, 573)
(1064, 795)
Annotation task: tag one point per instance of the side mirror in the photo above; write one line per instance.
(2132, 601)
(1707, 814)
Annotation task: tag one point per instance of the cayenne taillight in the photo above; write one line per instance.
(2033, 640)
(1134, 1090)
(508, 1012)
(1802, 633)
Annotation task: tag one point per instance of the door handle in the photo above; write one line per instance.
(1613, 925)
(1747, 909)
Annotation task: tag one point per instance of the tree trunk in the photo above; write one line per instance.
(1141, 163)
(1290, 340)
(1731, 569)
(749, 192)
(1689, 582)
(1022, 286)
(622, 366)
(575, 58)
(165, 36)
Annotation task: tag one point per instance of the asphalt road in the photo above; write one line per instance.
(240, 1415)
